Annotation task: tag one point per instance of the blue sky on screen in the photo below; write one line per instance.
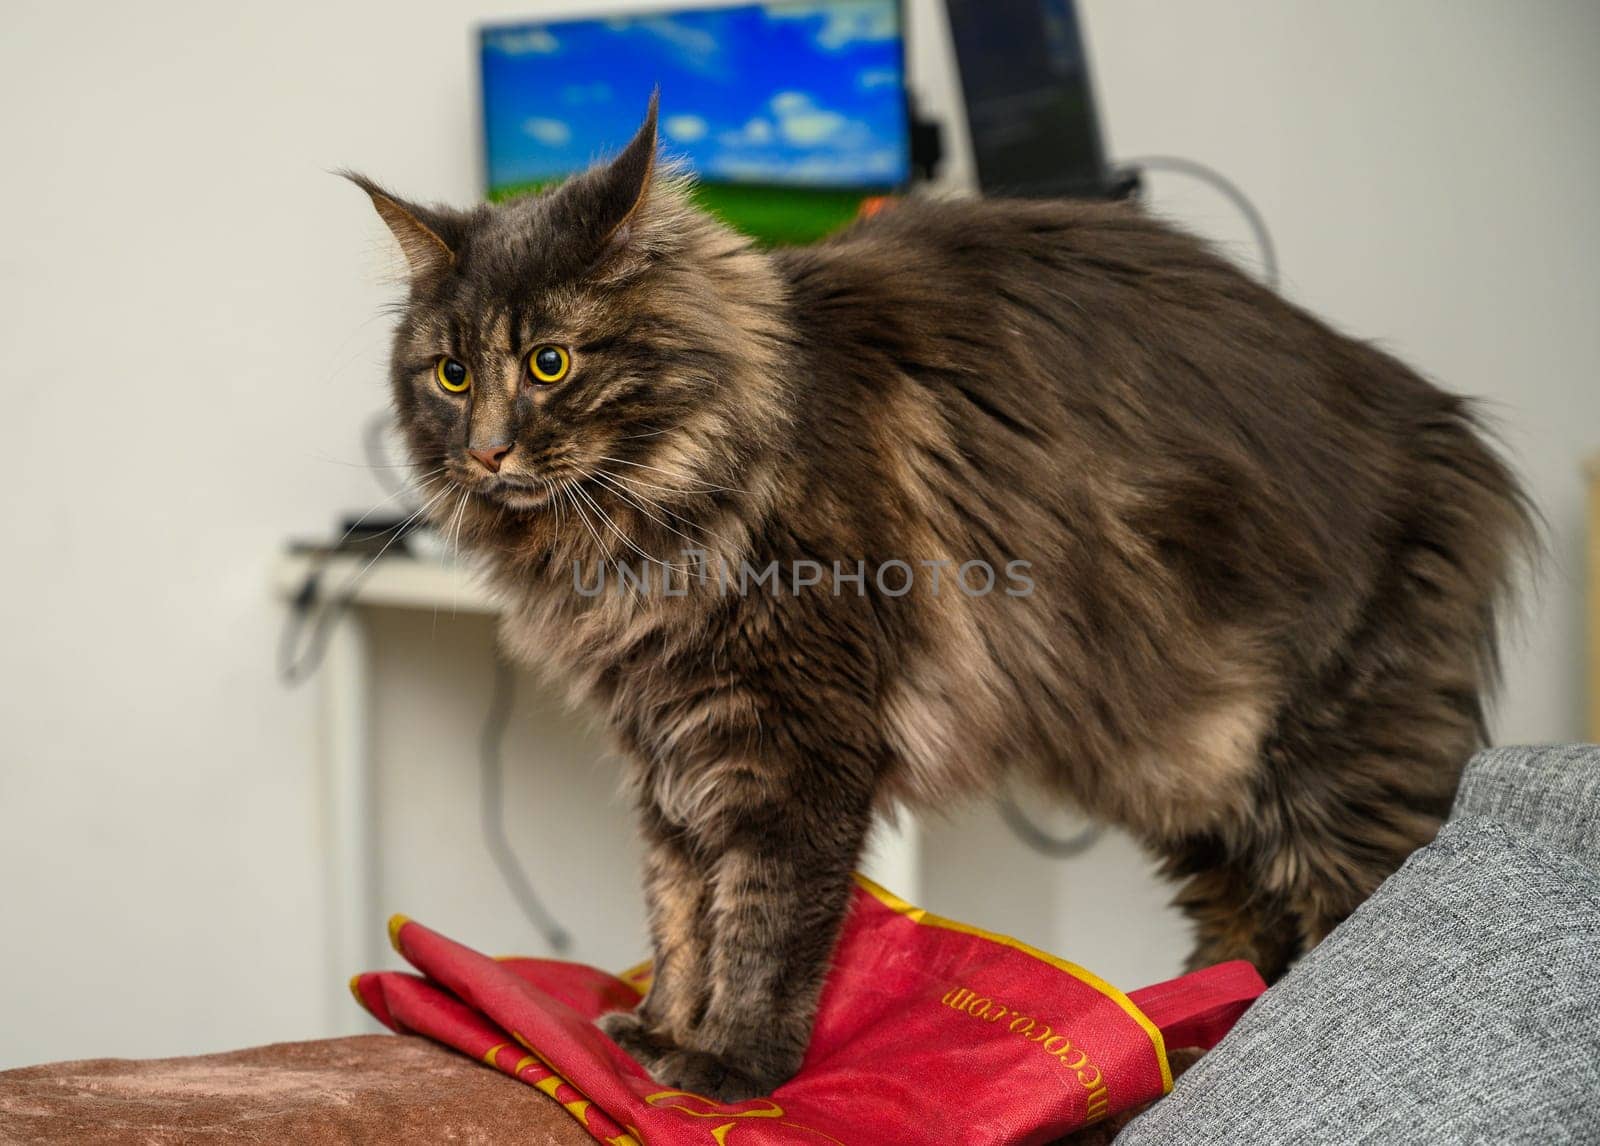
(783, 92)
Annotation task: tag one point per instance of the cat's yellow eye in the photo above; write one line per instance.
(549, 364)
(452, 375)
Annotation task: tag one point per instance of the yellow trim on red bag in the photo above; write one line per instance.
(717, 1109)
(578, 1107)
(919, 915)
(396, 922)
(638, 971)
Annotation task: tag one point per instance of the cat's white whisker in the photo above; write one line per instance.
(633, 481)
(456, 521)
(623, 493)
(636, 437)
(398, 531)
(578, 509)
(355, 525)
(632, 485)
(623, 537)
(706, 487)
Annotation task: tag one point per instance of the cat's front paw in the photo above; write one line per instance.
(680, 1068)
(630, 1032)
(702, 1073)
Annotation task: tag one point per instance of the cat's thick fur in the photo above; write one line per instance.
(1264, 558)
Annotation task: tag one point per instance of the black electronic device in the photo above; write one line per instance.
(1030, 104)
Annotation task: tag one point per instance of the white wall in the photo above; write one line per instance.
(192, 328)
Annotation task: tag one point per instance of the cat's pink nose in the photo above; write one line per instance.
(490, 456)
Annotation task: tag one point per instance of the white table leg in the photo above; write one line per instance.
(349, 866)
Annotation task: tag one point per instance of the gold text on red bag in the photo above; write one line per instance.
(1039, 1032)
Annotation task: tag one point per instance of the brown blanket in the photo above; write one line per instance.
(372, 1088)
(369, 1089)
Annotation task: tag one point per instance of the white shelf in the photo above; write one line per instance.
(393, 581)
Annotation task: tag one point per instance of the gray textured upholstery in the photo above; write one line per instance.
(1551, 791)
(1461, 1003)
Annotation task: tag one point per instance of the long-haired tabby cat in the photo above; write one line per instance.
(1243, 567)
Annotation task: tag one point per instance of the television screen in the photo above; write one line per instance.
(790, 113)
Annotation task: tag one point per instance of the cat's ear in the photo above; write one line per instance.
(623, 185)
(418, 230)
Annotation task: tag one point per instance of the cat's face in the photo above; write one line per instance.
(554, 343)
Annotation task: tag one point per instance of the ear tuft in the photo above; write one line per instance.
(426, 252)
(626, 184)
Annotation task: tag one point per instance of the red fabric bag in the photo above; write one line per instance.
(927, 1031)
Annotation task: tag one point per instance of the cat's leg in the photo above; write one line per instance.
(1327, 828)
(777, 908)
(1362, 770)
(677, 892)
(1347, 792)
(1354, 816)
(1232, 916)
(777, 886)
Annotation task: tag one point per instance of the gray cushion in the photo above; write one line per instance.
(1549, 791)
(1461, 1003)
